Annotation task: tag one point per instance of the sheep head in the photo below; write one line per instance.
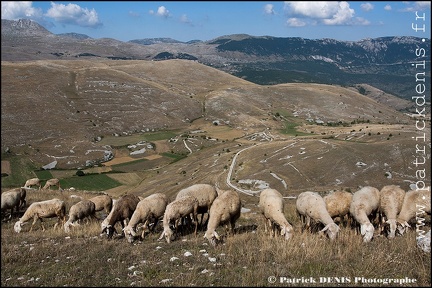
(129, 233)
(67, 227)
(17, 227)
(367, 230)
(212, 237)
(287, 231)
(109, 230)
(332, 230)
(393, 227)
(168, 234)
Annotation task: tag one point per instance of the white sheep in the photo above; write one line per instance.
(365, 205)
(204, 193)
(78, 211)
(226, 209)
(102, 202)
(52, 182)
(415, 204)
(33, 182)
(150, 208)
(43, 209)
(272, 206)
(311, 206)
(122, 209)
(338, 204)
(13, 199)
(175, 211)
(391, 201)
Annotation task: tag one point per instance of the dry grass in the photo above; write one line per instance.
(249, 258)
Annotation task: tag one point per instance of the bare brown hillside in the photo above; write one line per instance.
(300, 135)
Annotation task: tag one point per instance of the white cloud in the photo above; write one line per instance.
(134, 14)
(387, 7)
(367, 7)
(327, 13)
(162, 12)
(361, 21)
(416, 6)
(14, 10)
(269, 9)
(295, 22)
(73, 14)
(184, 19)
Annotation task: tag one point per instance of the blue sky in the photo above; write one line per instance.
(206, 20)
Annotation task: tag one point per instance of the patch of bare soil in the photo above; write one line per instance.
(119, 160)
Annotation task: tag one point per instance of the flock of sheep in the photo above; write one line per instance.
(387, 211)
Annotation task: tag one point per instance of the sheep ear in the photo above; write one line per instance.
(216, 235)
(162, 235)
(406, 224)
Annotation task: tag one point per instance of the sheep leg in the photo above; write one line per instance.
(308, 224)
(196, 223)
(265, 224)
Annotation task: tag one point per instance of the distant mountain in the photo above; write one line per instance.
(75, 36)
(384, 62)
(150, 41)
(22, 27)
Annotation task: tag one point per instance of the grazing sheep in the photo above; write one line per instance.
(204, 193)
(78, 211)
(123, 209)
(44, 209)
(52, 182)
(225, 210)
(150, 208)
(416, 203)
(311, 206)
(103, 202)
(338, 205)
(175, 211)
(33, 182)
(13, 199)
(365, 202)
(391, 201)
(272, 206)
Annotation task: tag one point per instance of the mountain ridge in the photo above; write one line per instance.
(383, 62)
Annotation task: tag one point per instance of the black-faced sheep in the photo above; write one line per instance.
(52, 182)
(311, 206)
(272, 206)
(225, 210)
(416, 203)
(33, 182)
(204, 193)
(338, 204)
(391, 201)
(78, 211)
(149, 209)
(365, 205)
(43, 209)
(122, 210)
(175, 211)
(13, 199)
